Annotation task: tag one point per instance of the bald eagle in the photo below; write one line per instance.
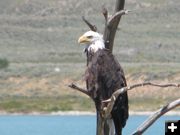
(104, 76)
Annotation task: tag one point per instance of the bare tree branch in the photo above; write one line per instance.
(107, 110)
(110, 32)
(155, 116)
(73, 86)
(91, 26)
(116, 16)
(143, 127)
(105, 13)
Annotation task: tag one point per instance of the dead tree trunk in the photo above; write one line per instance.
(112, 23)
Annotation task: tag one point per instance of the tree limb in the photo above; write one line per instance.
(105, 13)
(116, 16)
(73, 86)
(107, 110)
(110, 32)
(143, 127)
(91, 26)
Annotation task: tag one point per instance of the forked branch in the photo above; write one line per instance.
(116, 16)
(155, 116)
(110, 32)
(107, 110)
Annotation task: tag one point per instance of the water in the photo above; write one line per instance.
(69, 125)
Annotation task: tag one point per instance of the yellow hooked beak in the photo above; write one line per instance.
(83, 39)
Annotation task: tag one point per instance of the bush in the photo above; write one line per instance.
(4, 63)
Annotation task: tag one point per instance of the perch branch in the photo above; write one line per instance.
(73, 86)
(112, 99)
(91, 26)
(155, 116)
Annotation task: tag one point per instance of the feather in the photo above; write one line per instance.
(104, 76)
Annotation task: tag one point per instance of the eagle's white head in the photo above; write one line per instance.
(93, 40)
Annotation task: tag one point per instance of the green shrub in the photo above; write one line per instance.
(4, 63)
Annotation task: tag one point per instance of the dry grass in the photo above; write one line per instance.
(29, 94)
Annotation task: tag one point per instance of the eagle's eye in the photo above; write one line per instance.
(89, 37)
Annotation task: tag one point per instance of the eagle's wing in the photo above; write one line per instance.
(104, 76)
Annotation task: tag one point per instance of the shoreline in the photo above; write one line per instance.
(82, 113)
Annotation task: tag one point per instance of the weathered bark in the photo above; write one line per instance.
(100, 124)
(110, 30)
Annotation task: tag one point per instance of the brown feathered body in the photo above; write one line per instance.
(104, 76)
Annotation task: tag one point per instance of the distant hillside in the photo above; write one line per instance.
(149, 33)
(75, 7)
(50, 7)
